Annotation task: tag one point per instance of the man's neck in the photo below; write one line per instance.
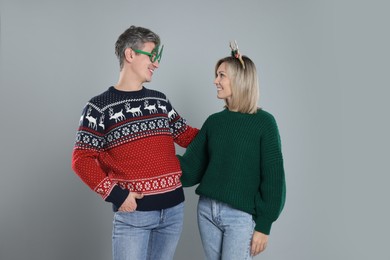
(126, 83)
(127, 87)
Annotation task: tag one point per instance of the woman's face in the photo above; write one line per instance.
(222, 82)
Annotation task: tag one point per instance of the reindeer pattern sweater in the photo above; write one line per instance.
(125, 142)
(237, 159)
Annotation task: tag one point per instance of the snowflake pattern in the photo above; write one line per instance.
(95, 142)
(152, 125)
(143, 126)
(130, 131)
(86, 139)
(133, 130)
(125, 131)
(178, 125)
(104, 187)
(153, 185)
(170, 181)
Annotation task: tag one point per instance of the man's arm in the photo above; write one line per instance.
(182, 133)
(85, 158)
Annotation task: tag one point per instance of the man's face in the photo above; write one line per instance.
(142, 64)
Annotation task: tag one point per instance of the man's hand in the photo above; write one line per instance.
(130, 204)
(259, 243)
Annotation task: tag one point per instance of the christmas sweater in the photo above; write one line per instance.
(237, 159)
(125, 143)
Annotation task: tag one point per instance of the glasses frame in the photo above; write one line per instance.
(154, 56)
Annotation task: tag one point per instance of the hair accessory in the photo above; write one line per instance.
(236, 53)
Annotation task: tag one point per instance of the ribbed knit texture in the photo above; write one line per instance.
(237, 159)
(125, 142)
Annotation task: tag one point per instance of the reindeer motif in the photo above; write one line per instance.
(135, 111)
(172, 113)
(152, 108)
(163, 108)
(119, 116)
(91, 119)
(101, 121)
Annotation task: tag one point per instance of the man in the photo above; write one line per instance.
(125, 152)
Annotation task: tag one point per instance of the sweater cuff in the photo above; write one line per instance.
(263, 225)
(184, 139)
(117, 196)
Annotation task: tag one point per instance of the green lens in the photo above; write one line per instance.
(153, 57)
(160, 54)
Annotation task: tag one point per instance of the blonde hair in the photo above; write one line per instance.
(244, 84)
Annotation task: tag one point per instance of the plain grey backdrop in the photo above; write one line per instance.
(323, 66)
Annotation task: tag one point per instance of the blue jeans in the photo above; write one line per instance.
(144, 235)
(226, 232)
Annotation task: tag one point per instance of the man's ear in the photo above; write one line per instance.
(129, 54)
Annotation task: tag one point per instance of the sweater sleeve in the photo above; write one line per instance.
(195, 159)
(272, 192)
(86, 153)
(186, 137)
(182, 133)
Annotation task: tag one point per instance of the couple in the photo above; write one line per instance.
(125, 152)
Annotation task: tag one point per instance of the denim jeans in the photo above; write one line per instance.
(147, 235)
(226, 232)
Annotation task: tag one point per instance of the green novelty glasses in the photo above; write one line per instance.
(155, 55)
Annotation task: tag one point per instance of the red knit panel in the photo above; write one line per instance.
(149, 165)
(87, 168)
(140, 159)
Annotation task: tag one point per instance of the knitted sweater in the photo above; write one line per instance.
(125, 142)
(237, 159)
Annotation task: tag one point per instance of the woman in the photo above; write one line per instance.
(237, 160)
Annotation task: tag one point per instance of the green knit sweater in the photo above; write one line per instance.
(237, 159)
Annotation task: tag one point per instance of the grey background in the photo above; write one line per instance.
(323, 68)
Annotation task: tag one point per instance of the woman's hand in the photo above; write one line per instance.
(259, 243)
